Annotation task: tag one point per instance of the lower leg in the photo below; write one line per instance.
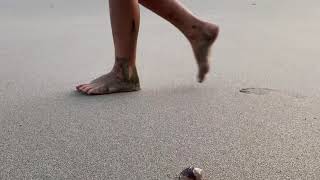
(200, 34)
(125, 20)
(174, 12)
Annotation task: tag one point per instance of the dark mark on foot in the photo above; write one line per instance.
(124, 67)
(129, 74)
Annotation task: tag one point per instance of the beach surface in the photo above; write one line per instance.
(257, 116)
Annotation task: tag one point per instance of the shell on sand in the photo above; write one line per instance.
(191, 173)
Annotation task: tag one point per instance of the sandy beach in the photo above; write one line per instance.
(257, 116)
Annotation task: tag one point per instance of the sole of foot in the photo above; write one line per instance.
(206, 36)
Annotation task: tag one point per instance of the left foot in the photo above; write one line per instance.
(123, 78)
(201, 38)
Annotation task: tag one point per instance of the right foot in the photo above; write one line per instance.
(201, 38)
(122, 78)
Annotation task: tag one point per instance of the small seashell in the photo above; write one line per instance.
(191, 173)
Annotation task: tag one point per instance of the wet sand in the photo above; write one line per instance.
(256, 117)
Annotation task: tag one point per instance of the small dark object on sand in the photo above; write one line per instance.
(257, 91)
(191, 173)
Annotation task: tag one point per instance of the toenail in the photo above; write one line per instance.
(78, 87)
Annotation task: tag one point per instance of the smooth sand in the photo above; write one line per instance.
(48, 131)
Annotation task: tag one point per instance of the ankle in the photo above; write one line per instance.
(125, 71)
(202, 30)
(193, 30)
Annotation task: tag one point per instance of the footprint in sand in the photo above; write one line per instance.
(265, 91)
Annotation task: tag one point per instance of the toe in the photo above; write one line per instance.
(200, 78)
(79, 86)
(203, 70)
(87, 88)
(92, 91)
(95, 91)
(82, 88)
(98, 91)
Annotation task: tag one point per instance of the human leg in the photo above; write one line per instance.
(125, 21)
(200, 34)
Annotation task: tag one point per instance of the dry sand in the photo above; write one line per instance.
(48, 131)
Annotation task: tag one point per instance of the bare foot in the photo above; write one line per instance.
(201, 37)
(123, 78)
